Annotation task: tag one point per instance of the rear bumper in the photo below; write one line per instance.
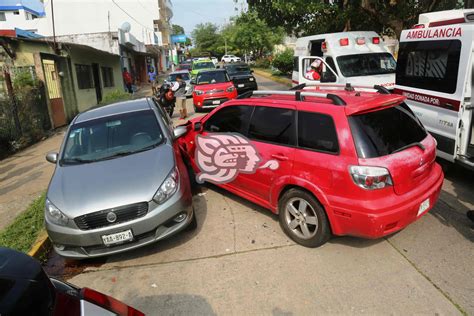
(393, 215)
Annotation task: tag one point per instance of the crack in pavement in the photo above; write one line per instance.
(118, 268)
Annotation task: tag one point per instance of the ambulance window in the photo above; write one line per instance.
(331, 64)
(430, 65)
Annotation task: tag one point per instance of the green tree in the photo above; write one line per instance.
(283, 61)
(206, 37)
(308, 17)
(252, 34)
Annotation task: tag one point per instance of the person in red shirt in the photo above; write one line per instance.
(314, 72)
(127, 78)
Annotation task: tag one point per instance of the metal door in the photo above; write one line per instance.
(53, 88)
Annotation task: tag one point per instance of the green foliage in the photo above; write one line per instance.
(263, 62)
(115, 96)
(284, 61)
(245, 34)
(22, 233)
(177, 29)
(305, 17)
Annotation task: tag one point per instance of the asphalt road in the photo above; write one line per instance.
(239, 261)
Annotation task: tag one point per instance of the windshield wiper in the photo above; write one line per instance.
(76, 160)
(418, 144)
(128, 152)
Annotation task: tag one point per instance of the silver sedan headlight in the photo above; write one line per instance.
(54, 214)
(168, 187)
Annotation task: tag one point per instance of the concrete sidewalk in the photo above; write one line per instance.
(24, 176)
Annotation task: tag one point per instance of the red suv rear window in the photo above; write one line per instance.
(382, 132)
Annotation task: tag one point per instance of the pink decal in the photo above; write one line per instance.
(221, 157)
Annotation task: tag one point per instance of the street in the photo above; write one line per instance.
(239, 261)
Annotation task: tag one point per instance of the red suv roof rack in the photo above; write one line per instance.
(336, 100)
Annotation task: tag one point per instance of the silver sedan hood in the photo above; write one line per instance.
(85, 188)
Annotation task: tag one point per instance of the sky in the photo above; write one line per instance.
(189, 13)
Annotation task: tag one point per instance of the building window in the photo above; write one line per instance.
(2, 16)
(16, 12)
(84, 76)
(107, 77)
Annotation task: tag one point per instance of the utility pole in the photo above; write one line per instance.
(225, 43)
(55, 44)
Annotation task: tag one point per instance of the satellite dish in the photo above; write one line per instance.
(126, 27)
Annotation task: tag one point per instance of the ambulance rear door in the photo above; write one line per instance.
(433, 71)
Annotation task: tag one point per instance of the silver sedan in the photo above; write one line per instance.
(119, 183)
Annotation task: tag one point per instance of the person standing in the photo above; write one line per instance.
(180, 95)
(152, 79)
(127, 78)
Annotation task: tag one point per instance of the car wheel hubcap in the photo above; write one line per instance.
(301, 218)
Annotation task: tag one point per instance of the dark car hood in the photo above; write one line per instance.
(86, 188)
(240, 75)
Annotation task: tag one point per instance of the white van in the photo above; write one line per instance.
(358, 58)
(434, 72)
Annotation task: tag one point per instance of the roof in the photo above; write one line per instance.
(34, 6)
(113, 109)
(180, 72)
(351, 102)
(430, 17)
(211, 70)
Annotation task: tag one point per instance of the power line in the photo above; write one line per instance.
(124, 11)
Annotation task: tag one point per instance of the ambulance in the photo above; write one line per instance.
(358, 58)
(434, 72)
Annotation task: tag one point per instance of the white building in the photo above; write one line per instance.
(83, 16)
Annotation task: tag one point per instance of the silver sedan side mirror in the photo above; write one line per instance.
(179, 131)
(52, 157)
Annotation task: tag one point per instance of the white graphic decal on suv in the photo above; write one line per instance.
(221, 157)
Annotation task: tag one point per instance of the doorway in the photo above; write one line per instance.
(98, 87)
(54, 93)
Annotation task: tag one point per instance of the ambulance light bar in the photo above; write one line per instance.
(376, 40)
(344, 41)
(418, 26)
(324, 46)
(360, 41)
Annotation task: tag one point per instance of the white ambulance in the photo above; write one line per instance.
(434, 72)
(358, 58)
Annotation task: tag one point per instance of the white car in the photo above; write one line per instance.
(230, 59)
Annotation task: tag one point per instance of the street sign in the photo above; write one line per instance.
(178, 38)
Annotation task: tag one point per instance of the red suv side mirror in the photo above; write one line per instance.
(197, 126)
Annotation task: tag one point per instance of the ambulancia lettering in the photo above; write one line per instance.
(432, 33)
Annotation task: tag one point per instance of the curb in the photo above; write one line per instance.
(272, 77)
(41, 246)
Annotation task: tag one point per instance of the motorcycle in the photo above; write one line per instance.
(166, 98)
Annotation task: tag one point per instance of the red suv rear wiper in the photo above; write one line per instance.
(418, 144)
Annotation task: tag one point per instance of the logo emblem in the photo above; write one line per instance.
(421, 161)
(111, 217)
(221, 157)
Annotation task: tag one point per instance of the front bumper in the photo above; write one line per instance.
(390, 217)
(157, 224)
(211, 101)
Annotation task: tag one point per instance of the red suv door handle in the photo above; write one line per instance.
(279, 157)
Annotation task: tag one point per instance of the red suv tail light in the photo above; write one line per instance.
(370, 178)
(109, 303)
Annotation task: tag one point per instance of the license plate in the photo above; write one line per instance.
(241, 85)
(117, 238)
(423, 206)
(216, 102)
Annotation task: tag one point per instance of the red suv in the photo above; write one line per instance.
(350, 162)
(211, 89)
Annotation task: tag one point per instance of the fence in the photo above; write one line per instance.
(24, 120)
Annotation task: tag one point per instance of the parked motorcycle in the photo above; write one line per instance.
(166, 98)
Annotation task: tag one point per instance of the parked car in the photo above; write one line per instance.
(230, 59)
(184, 66)
(345, 165)
(119, 183)
(211, 89)
(186, 77)
(26, 289)
(242, 77)
(201, 64)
